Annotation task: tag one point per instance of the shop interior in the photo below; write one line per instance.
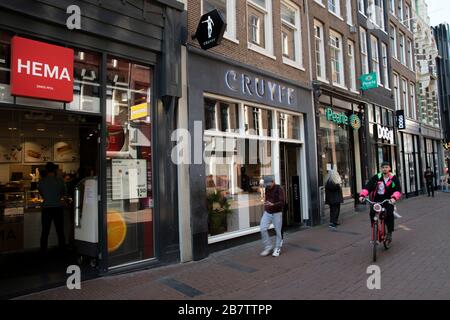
(28, 140)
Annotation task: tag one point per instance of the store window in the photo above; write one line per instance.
(86, 96)
(221, 116)
(5, 63)
(129, 162)
(336, 149)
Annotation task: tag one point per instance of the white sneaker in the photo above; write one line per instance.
(281, 243)
(396, 215)
(276, 252)
(266, 252)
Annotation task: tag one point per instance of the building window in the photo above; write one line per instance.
(384, 57)
(364, 54)
(375, 58)
(349, 12)
(392, 6)
(405, 97)
(227, 9)
(412, 92)
(129, 162)
(400, 10)
(402, 49)
(393, 35)
(352, 66)
(407, 21)
(410, 55)
(290, 34)
(334, 6)
(260, 34)
(320, 51)
(337, 58)
(397, 92)
(361, 7)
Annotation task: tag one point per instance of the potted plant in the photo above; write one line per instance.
(218, 210)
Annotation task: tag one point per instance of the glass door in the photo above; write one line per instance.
(290, 182)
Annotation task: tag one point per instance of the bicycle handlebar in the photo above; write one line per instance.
(371, 202)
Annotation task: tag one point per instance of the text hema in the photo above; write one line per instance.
(38, 69)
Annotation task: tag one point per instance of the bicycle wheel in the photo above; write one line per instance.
(387, 244)
(375, 239)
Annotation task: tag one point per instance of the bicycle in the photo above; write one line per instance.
(379, 228)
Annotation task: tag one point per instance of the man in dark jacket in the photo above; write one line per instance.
(429, 177)
(383, 186)
(273, 213)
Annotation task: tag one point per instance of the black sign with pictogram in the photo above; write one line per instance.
(400, 119)
(210, 30)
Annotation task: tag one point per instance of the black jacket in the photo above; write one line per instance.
(429, 176)
(392, 187)
(333, 193)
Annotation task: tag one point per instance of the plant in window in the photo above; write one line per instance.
(218, 209)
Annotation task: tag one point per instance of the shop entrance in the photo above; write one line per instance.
(290, 182)
(29, 140)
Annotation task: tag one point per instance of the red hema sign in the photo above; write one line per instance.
(41, 70)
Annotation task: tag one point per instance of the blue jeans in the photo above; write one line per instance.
(266, 220)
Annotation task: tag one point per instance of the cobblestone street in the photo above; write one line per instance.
(316, 263)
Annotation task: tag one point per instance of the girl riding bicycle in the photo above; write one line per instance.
(383, 186)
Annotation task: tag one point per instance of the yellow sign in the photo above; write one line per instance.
(139, 111)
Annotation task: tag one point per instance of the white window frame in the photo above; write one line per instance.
(412, 93)
(400, 12)
(407, 21)
(394, 35)
(337, 5)
(410, 55)
(384, 63)
(361, 7)
(320, 2)
(349, 9)
(268, 30)
(364, 51)
(397, 94)
(298, 62)
(402, 48)
(375, 55)
(322, 63)
(352, 64)
(392, 7)
(230, 32)
(341, 79)
(405, 97)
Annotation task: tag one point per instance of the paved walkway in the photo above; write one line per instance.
(316, 263)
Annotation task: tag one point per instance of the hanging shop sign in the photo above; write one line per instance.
(369, 81)
(210, 30)
(41, 70)
(400, 119)
(384, 133)
(341, 118)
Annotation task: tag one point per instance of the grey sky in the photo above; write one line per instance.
(439, 11)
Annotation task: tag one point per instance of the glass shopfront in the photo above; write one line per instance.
(339, 147)
(242, 146)
(411, 165)
(431, 158)
(382, 138)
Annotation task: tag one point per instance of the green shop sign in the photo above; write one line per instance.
(342, 118)
(369, 81)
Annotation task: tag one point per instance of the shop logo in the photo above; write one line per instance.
(342, 118)
(40, 70)
(400, 119)
(385, 134)
(210, 30)
(355, 122)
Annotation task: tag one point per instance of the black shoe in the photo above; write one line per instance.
(389, 237)
(337, 224)
(332, 225)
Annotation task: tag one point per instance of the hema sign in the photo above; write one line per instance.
(40, 70)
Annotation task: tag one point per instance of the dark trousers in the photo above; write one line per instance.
(389, 220)
(57, 216)
(335, 209)
(430, 188)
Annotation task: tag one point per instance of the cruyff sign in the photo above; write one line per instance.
(260, 88)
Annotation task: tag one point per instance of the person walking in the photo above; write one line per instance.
(334, 197)
(52, 189)
(273, 213)
(429, 178)
(444, 181)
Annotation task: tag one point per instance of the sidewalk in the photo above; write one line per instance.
(316, 263)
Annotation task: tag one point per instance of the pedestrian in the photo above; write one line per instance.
(334, 197)
(444, 180)
(273, 214)
(429, 178)
(52, 189)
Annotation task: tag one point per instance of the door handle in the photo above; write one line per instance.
(77, 208)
